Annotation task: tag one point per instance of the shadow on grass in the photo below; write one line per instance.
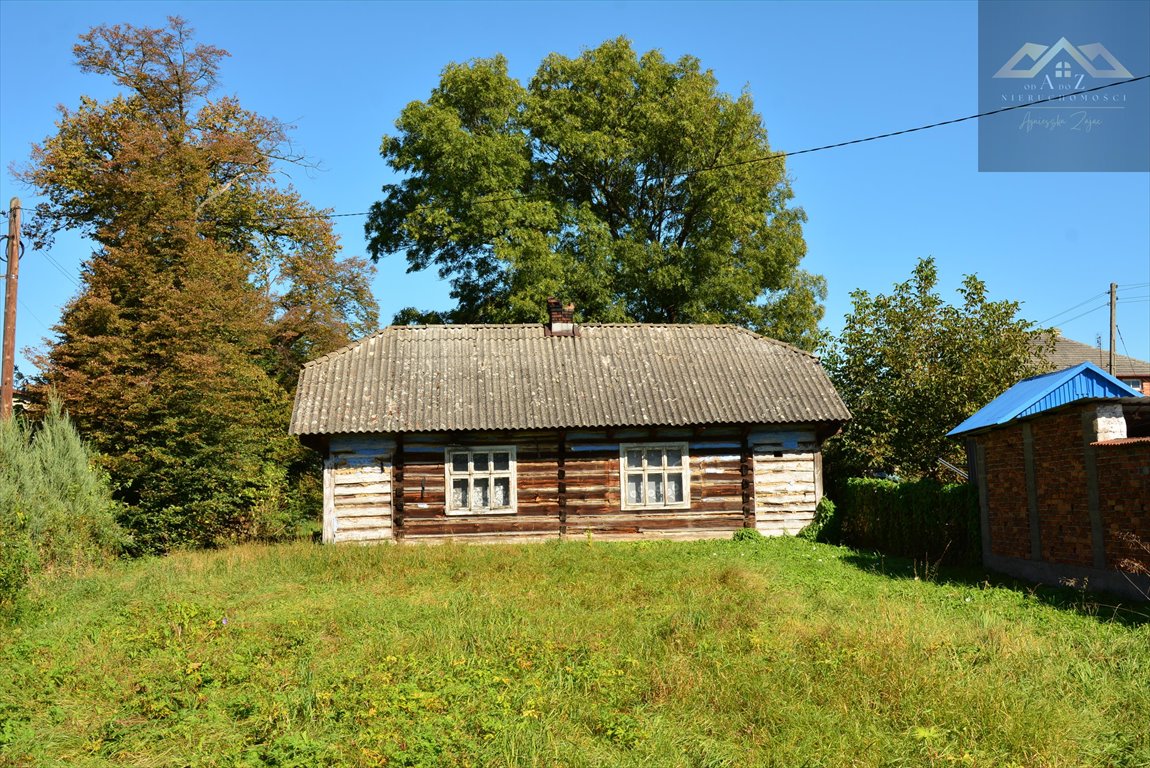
(1102, 606)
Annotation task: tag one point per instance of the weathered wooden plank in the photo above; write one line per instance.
(328, 533)
(732, 518)
(789, 527)
(366, 511)
(455, 526)
(364, 535)
(355, 523)
(360, 474)
(514, 537)
(360, 489)
(651, 535)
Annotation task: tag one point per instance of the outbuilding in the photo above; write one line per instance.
(538, 431)
(1062, 466)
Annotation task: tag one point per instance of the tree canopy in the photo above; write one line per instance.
(911, 367)
(627, 184)
(210, 284)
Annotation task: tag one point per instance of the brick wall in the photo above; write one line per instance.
(1062, 492)
(1060, 479)
(1006, 492)
(1124, 493)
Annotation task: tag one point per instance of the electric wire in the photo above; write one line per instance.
(32, 314)
(772, 156)
(1118, 328)
(61, 270)
(1071, 309)
(1084, 314)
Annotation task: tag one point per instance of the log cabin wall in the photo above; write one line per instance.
(357, 489)
(595, 483)
(573, 484)
(536, 512)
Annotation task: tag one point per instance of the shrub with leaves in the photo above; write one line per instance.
(827, 525)
(56, 507)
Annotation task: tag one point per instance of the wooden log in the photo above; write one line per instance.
(355, 523)
(364, 535)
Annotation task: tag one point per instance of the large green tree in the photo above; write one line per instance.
(627, 184)
(911, 367)
(210, 284)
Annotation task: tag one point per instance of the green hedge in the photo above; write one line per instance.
(923, 519)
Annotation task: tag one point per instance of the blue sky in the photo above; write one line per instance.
(819, 73)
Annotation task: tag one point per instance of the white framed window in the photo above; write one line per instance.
(481, 481)
(655, 475)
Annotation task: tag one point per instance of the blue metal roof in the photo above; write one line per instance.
(1041, 393)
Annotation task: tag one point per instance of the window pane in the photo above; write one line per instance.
(502, 492)
(502, 462)
(674, 457)
(654, 458)
(480, 461)
(459, 494)
(482, 496)
(634, 459)
(654, 489)
(634, 489)
(674, 488)
(459, 462)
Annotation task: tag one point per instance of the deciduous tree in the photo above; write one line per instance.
(627, 184)
(911, 367)
(211, 283)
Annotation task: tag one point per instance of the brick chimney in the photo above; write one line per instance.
(560, 318)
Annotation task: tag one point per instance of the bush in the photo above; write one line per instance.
(747, 534)
(56, 508)
(827, 525)
(923, 519)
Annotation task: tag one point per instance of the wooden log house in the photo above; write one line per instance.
(523, 432)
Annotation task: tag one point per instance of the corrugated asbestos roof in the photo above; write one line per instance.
(481, 377)
(1067, 353)
(1041, 393)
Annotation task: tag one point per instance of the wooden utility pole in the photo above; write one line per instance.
(1113, 321)
(8, 363)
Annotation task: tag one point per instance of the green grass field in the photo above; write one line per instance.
(769, 653)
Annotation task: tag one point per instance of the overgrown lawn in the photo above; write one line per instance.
(759, 653)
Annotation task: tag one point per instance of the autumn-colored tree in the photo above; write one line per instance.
(630, 185)
(210, 285)
(911, 367)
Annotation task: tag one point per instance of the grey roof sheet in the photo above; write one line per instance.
(494, 377)
(1067, 353)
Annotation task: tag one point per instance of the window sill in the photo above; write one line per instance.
(479, 513)
(659, 508)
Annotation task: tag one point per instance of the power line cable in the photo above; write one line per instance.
(1071, 309)
(764, 158)
(33, 315)
(60, 269)
(776, 155)
(1087, 312)
(1118, 328)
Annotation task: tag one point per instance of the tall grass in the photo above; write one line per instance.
(768, 653)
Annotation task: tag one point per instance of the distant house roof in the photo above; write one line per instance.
(1041, 393)
(1067, 353)
(495, 377)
